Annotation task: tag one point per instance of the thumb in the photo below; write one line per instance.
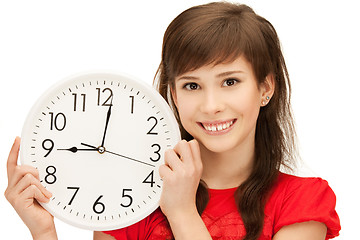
(13, 157)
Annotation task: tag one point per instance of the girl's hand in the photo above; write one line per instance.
(24, 191)
(181, 176)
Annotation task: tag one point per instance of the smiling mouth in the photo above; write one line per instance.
(219, 126)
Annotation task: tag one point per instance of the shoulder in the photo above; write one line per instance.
(289, 187)
(292, 182)
(296, 199)
(293, 193)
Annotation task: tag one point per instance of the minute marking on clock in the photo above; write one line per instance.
(104, 150)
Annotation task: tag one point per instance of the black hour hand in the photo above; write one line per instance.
(75, 149)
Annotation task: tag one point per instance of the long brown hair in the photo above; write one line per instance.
(221, 32)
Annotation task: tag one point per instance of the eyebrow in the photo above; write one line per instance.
(224, 74)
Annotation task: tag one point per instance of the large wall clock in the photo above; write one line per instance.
(97, 140)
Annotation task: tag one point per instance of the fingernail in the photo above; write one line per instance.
(48, 194)
(16, 139)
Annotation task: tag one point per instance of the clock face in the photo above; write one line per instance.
(97, 140)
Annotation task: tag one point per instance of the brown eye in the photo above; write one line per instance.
(230, 82)
(191, 86)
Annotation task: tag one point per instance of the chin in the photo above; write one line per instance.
(217, 146)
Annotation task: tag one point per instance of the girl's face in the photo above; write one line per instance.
(219, 105)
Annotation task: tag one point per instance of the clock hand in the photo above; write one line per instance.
(87, 145)
(100, 149)
(130, 158)
(75, 149)
(97, 148)
(106, 125)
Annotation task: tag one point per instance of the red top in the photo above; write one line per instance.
(292, 200)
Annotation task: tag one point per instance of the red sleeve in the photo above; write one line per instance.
(152, 227)
(309, 199)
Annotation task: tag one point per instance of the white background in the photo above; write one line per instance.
(43, 41)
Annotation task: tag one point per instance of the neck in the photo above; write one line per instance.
(227, 169)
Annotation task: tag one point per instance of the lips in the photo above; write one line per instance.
(218, 126)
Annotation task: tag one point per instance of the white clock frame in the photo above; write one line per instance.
(36, 140)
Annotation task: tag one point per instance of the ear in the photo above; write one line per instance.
(267, 89)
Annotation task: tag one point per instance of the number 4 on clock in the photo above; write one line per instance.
(150, 179)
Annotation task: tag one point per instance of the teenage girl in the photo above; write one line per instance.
(223, 73)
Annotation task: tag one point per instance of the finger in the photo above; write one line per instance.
(19, 172)
(184, 151)
(195, 149)
(172, 160)
(165, 172)
(13, 156)
(32, 192)
(29, 180)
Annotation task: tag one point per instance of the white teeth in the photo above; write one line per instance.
(217, 127)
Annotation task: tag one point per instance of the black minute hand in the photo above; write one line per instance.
(106, 125)
(132, 159)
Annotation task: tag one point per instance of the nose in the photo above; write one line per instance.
(212, 102)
